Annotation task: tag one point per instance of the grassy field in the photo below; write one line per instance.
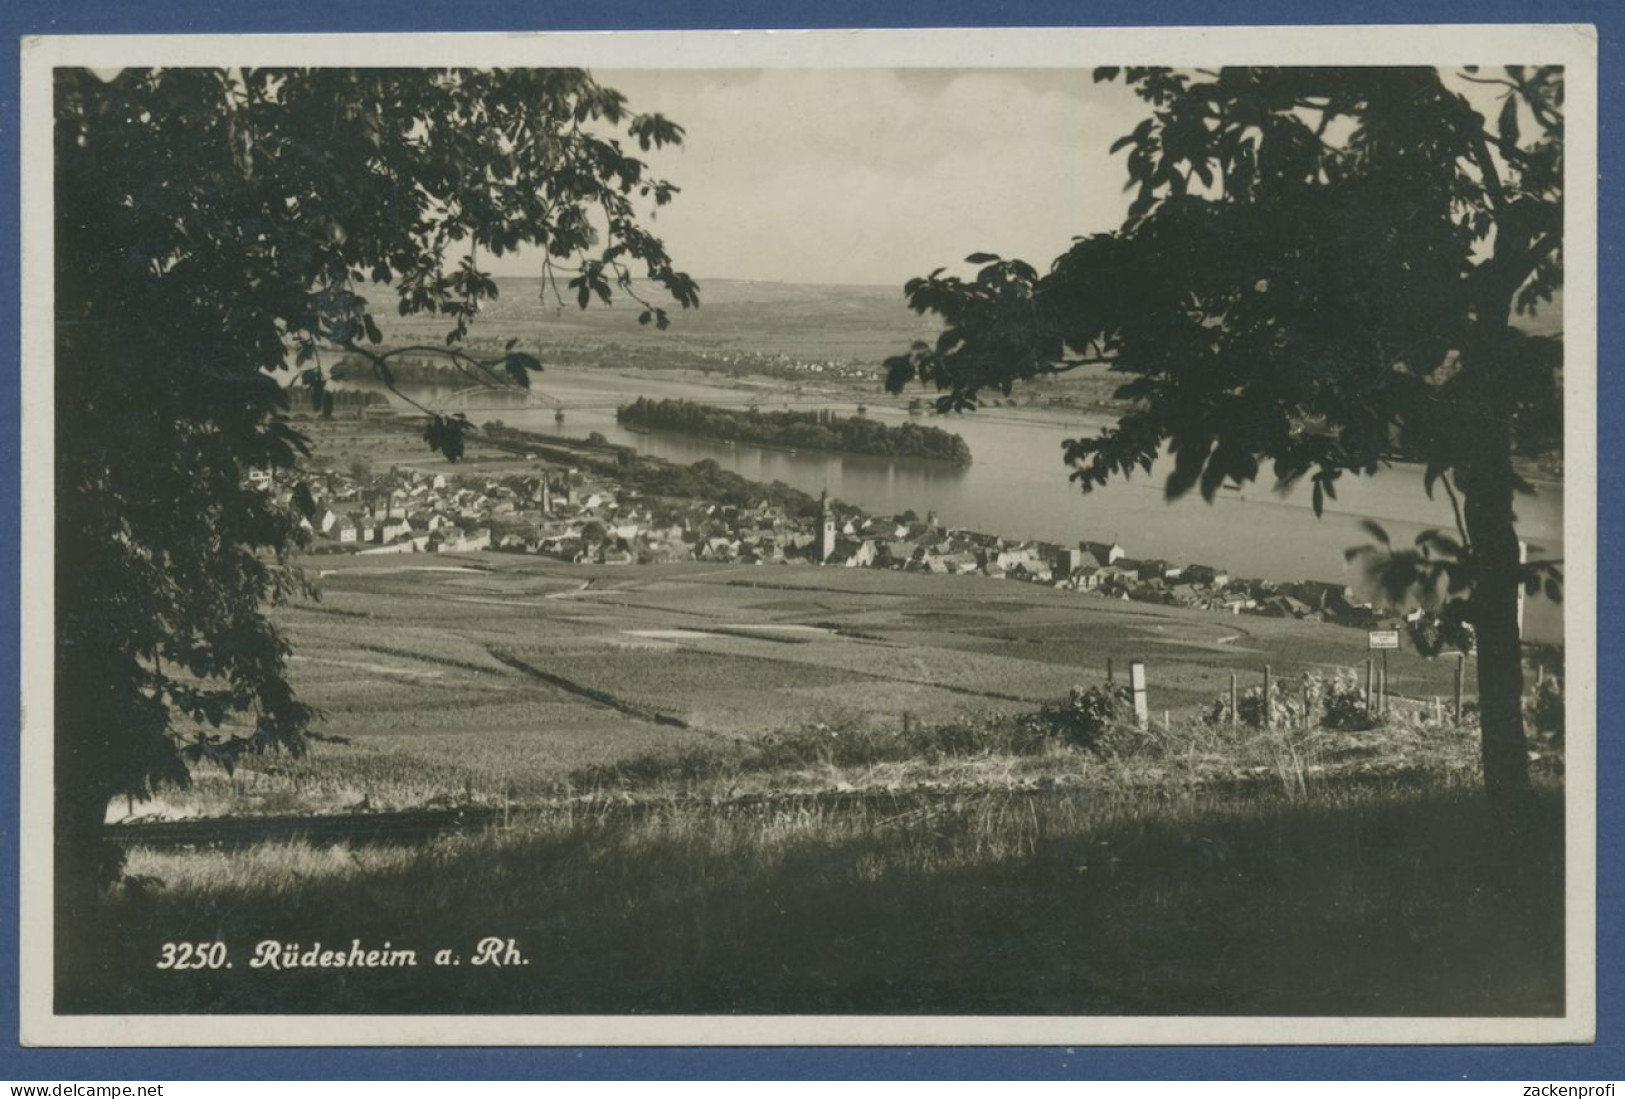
(1368, 900)
(490, 676)
(801, 790)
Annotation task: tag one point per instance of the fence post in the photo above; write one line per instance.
(1370, 685)
(1136, 682)
(1235, 707)
(1109, 676)
(1269, 711)
(1461, 682)
(1308, 717)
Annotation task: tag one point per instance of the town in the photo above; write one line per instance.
(581, 515)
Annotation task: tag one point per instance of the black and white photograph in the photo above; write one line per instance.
(982, 536)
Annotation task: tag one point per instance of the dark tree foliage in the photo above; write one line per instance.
(1318, 271)
(214, 228)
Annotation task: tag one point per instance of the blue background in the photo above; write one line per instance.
(1560, 1064)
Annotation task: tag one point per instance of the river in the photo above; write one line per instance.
(1017, 485)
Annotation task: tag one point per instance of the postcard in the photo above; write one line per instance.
(1061, 536)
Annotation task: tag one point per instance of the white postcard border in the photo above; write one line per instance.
(1573, 46)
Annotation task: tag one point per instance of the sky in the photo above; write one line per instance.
(878, 175)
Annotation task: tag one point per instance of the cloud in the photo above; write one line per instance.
(876, 175)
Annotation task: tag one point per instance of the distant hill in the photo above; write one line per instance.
(807, 321)
(866, 323)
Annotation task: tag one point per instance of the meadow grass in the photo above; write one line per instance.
(836, 748)
(1339, 899)
(860, 863)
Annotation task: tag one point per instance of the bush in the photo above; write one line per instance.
(1286, 704)
(855, 744)
(1343, 704)
(1337, 703)
(1087, 715)
(1543, 710)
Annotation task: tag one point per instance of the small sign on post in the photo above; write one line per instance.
(1136, 682)
(1387, 641)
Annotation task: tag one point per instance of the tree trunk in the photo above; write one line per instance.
(1500, 658)
(1487, 484)
(84, 862)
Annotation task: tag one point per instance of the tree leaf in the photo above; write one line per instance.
(303, 500)
(1374, 529)
(519, 365)
(1508, 123)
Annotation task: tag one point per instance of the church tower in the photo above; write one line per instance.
(826, 529)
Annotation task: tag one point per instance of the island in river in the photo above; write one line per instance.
(820, 429)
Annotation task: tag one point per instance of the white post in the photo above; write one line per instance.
(1136, 682)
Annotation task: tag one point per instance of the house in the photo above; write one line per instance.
(1285, 606)
(1104, 553)
(1206, 574)
(1147, 571)
(897, 554)
(852, 553)
(564, 546)
(717, 549)
(468, 541)
(1024, 557)
(388, 530)
(658, 550)
(958, 562)
(1037, 573)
